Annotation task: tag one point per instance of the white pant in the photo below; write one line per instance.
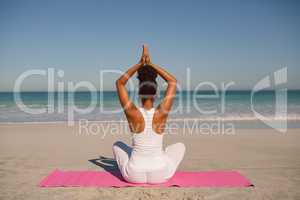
(171, 158)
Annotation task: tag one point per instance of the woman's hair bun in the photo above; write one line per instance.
(147, 73)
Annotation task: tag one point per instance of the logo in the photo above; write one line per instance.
(279, 120)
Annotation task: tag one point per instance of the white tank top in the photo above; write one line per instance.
(147, 143)
(147, 154)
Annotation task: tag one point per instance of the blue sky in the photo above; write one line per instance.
(220, 41)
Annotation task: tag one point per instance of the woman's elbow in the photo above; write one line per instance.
(119, 82)
(173, 81)
(172, 84)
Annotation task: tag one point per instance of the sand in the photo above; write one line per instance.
(28, 152)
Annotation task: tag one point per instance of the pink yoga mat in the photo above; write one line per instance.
(60, 178)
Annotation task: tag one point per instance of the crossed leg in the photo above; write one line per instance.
(174, 153)
(122, 153)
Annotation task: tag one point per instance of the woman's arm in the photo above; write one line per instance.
(127, 104)
(166, 104)
(121, 88)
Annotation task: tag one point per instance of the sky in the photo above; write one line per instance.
(216, 41)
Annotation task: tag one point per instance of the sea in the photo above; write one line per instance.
(240, 107)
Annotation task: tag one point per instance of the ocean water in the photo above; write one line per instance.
(205, 105)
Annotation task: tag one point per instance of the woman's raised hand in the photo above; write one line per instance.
(145, 59)
(145, 50)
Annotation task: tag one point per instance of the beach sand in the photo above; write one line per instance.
(29, 152)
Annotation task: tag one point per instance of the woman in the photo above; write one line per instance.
(146, 162)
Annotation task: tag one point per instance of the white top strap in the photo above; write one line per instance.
(148, 117)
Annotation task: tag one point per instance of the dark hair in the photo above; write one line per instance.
(147, 80)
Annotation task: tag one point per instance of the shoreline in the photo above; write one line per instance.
(246, 119)
(176, 125)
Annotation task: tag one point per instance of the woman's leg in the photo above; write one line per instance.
(122, 154)
(174, 153)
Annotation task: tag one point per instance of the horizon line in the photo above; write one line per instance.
(231, 90)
